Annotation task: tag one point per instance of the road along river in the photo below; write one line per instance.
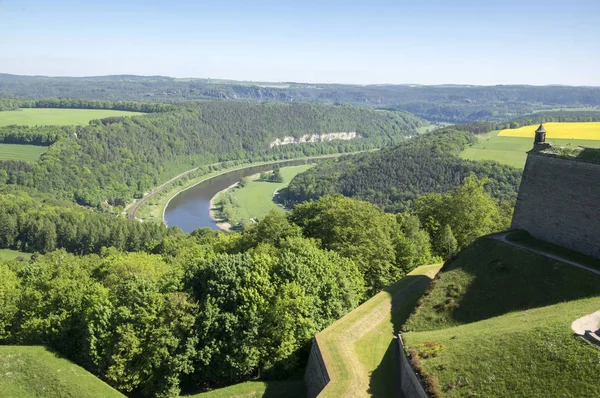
(190, 209)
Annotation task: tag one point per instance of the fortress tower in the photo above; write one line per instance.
(558, 197)
(540, 135)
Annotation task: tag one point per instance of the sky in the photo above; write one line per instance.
(360, 42)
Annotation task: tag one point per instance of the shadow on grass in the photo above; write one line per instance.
(405, 295)
(285, 389)
(506, 279)
(383, 379)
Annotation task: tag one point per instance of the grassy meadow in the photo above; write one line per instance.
(7, 254)
(255, 200)
(358, 348)
(512, 150)
(56, 116)
(27, 153)
(497, 313)
(33, 371)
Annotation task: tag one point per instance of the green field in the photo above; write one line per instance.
(358, 348)
(27, 153)
(256, 198)
(255, 389)
(512, 150)
(500, 318)
(32, 371)
(55, 116)
(6, 255)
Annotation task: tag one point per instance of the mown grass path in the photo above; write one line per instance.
(350, 356)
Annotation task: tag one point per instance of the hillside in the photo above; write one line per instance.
(31, 371)
(447, 103)
(117, 159)
(394, 177)
(497, 312)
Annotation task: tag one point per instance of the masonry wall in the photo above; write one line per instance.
(559, 202)
(316, 375)
(407, 383)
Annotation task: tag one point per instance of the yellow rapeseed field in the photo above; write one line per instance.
(574, 131)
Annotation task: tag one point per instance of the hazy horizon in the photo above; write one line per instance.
(526, 42)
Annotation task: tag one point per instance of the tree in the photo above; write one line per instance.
(468, 210)
(243, 182)
(9, 299)
(448, 242)
(357, 230)
(276, 176)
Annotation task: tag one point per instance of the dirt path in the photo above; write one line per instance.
(502, 237)
(588, 322)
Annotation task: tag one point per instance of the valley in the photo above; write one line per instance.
(109, 256)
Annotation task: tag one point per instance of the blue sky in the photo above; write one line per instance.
(420, 41)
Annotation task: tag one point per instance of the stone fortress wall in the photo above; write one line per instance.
(559, 201)
(316, 375)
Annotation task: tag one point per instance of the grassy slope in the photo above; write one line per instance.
(503, 316)
(256, 198)
(254, 389)
(356, 348)
(27, 371)
(27, 153)
(51, 116)
(512, 150)
(6, 254)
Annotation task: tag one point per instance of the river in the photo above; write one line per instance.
(190, 209)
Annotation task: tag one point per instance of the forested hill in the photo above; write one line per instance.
(393, 177)
(117, 158)
(449, 103)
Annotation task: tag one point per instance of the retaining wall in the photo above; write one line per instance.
(316, 375)
(559, 202)
(407, 383)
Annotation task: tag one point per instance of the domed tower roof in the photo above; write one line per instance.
(541, 129)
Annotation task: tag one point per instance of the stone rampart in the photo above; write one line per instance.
(407, 383)
(559, 202)
(316, 375)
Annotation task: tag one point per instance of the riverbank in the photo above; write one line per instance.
(255, 199)
(222, 223)
(153, 207)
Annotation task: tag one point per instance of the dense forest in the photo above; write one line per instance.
(449, 103)
(394, 177)
(152, 310)
(115, 159)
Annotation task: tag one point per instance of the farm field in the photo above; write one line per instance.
(512, 150)
(497, 312)
(357, 349)
(6, 254)
(27, 153)
(56, 116)
(33, 371)
(569, 131)
(255, 200)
